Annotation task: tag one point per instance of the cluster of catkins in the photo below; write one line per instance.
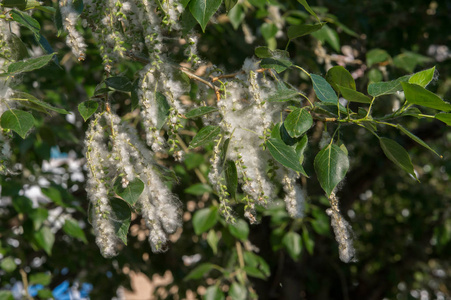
(7, 56)
(132, 30)
(140, 30)
(114, 150)
(246, 117)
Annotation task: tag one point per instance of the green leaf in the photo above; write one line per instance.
(25, 20)
(204, 219)
(397, 154)
(308, 8)
(423, 78)
(200, 111)
(20, 4)
(45, 238)
(6, 295)
(328, 35)
(18, 49)
(293, 243)
(308, 242)
(45, 294)
(387, 88)
(58, 20)
(40, 278)
(199, 271)
(121, 217)
(254, 272)
(238, 291)
(353, 96)
(134, 98)
(340, 76)
(323, 89)
(22, 96)
(203, 10)
(303, 29)
(409, 60)
(285, 155)
(38, 215)
(212, 240)
(445, 118)
(418, 95)
(198, 189)
(28, 65)
(46, 9)
(376, 56)
(268, 30)
(17, 120)
(283, 94)
(206, 135)
(78, 6)
(375, 75)
(45, 45)
(240, 229)
(163, 109)
(331, 165)
(231, 177)
(278, 64)
(285, 137)
(229, 4)
(257, 263)
(72, 228)
(416, 139)
(298, 122)
(300, 148)
(131, 192)
(8, 265)
(119, 83)
(87, 109)
(213, 293)
(22, 204)
(263, 52)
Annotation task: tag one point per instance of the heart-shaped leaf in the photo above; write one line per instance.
(298, 122)
(87, 108)
(17, 120)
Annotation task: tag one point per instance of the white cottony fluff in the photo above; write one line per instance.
(294, 195)
(126, 156)
(343, 231)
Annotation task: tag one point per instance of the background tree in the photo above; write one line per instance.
(402, 228)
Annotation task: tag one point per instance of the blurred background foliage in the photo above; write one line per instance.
(402, 227)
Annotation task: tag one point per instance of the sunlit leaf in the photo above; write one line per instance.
(423, 78)
(87, 109)
(418, 95)
(331, 165)
(298, 122)
(340, 76)
(203, 10)
(204, 219)
(131, 191)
